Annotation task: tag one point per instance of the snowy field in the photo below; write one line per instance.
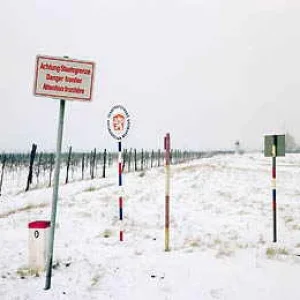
(221, 235)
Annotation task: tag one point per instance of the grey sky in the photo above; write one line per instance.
(209, 72)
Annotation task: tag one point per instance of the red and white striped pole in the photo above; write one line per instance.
(167, 144)
(120, 186)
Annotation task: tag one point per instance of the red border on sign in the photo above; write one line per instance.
(68, 60)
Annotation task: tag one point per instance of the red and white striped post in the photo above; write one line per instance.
(167, 146)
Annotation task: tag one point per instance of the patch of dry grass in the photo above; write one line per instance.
(25, 208)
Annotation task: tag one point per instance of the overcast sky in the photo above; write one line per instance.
(210, 72)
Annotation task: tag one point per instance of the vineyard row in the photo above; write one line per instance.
(35, 169)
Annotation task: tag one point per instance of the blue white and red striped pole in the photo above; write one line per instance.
(118, 124)
(120, 185)
(274, 204)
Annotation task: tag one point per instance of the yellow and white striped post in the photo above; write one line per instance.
(167, 145)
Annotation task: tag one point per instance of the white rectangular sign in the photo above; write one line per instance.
(64, 78)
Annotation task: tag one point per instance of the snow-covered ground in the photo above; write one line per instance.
(221, 235)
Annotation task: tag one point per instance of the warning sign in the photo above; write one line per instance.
(64, 78)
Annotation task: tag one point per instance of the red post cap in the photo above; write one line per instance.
(39, 224)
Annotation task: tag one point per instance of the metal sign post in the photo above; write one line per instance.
(118, 124)
(55, 195)
(167, 144)
(64, 79)
(274, 146)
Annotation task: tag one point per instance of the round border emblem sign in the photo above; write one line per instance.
(118, 122)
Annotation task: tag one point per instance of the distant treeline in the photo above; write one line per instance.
(89, 165)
